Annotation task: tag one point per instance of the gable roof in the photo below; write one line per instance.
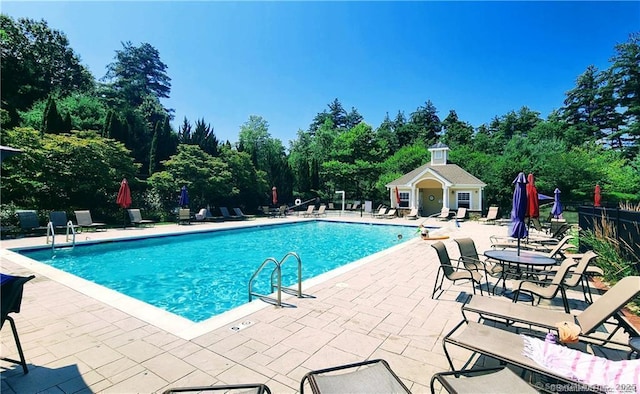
(449, 173)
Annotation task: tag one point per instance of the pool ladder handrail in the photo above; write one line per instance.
(51, 232)
(276, 275)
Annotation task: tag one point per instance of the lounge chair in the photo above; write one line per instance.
(331, 206)
(391, 214)
(381, 212)
(546, 289)
(552, 251)
(321, 211)
(506, 347)
(184, 216)
(29, 222)
(498, 380)
(590, 320)
(83, 218)
(355, 206)
(60, 221)
(11, 288)
(444, 214)
(491, 217)
(136, 218)
(241, 214)
(255, 388)
(413, 215)
(227, 216)
(452, 273)
(373, 376)
(461, 215)
(309, 211)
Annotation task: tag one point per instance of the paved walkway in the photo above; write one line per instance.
(377, 308)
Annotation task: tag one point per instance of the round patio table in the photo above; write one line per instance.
(514, 259)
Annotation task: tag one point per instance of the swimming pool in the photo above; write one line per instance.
(198, 276)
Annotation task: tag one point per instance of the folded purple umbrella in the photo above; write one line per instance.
(517, 228)
(184, 197)
(556, 210)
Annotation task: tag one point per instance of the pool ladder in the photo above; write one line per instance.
(276, 276)
(51, 232)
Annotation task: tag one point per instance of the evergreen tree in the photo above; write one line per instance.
(626, 80)
(427, 123)
(353, 118)
(66, 124)
(153, 150)
(580, 106)
(53, 122)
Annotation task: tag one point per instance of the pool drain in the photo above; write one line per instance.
(242, 326)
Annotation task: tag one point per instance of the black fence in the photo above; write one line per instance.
(625, 224)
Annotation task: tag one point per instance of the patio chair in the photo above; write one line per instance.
(461, 214)
(241, 214)
(381, 212)
(331, 206)
(321, 211)
(444, 214)
(372, 376)
(579, 274)
(251, 388)
(498, 380)
(391, 214)
(83, 218)
(136, 218)
(11, 288)
(227, 216)
(355, 206)
(60, 221)
(546, 289)
(413, 215)
(184, 216)
(29, 222)
(509, 348)
(471, 260)
(309, 211)
(590, 320)
(491, 217)
(202, 215)
(452, 273)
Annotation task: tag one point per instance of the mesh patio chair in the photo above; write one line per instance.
(471, 260)
(373, 376)
(136, 218)
(84, 220)
(605, 309)
(251, 388)
(452, 273)
(11, 288)
(546, 289)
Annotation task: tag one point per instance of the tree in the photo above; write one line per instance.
(580, 105)
(86, 112)
(77, 171)
(137, 73)
(456, 132)
(427, 123)
(37, 62)
(208, 178)
(52, 121)
(626, 81)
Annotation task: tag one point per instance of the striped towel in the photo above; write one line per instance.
(605, 375)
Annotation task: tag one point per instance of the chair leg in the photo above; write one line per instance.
(435, 284)
(18, 346)
(565, 301)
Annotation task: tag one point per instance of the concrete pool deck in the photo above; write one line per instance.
(380, 308)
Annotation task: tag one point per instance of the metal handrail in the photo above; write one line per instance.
(71, 227)
(295, 255)
(279, 278)
(51, 231)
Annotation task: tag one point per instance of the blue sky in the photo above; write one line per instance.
(285, 61)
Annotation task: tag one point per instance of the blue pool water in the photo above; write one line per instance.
(198, 276)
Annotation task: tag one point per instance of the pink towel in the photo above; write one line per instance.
(606, 375)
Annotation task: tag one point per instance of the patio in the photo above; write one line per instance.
(380, 308)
